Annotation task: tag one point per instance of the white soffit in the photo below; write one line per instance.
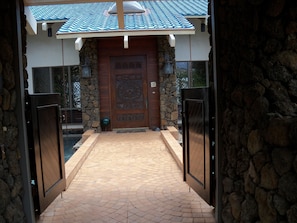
(126, 33)
(31, 23)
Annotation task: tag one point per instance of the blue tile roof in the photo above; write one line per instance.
(93, 17)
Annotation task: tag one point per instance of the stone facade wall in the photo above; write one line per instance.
(257, 72)
(11, 206)
(168, 90)
(89, 87)
(90, 95)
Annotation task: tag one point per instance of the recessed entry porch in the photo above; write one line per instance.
(128, 177)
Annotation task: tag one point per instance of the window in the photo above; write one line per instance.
(190, 74)
(128, 7)
(63, 80)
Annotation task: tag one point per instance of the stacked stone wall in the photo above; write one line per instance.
(11, 189)
(89, 87)
(257, 73)
(168, 90)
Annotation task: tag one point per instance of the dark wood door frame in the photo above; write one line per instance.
(138, 46)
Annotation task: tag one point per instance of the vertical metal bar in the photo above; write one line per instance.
(20, 111)
(218, 194)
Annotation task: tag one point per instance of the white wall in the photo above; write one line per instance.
(193, 47)
(44, 51)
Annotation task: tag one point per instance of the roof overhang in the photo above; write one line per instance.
(155, 32)
(31, 23)
(121, 31)
(119, 4)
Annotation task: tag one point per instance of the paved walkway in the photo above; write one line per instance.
(128, 178)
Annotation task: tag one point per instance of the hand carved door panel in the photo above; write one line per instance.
(129, 92)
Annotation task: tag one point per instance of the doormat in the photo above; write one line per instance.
(130, 130)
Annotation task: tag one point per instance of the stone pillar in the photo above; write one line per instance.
(256, 69)
(11, 184)
(168, 91)
(89, 87)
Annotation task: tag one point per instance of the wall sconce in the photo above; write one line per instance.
(203, 23)
(47, 27)
(86, 71)
(168, 66)
(202, 27)
(49, 32)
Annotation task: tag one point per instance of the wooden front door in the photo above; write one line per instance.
(129, 91)
(198, 144)
(128, 82)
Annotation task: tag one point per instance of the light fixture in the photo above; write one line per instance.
(86, 71)
(202, 27)
(168, 67)
(47, 27)
(203, 23)
(49, 32)
(85, 66)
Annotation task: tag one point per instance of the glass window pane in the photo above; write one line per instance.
(61, 85)
(182, 81)
(75, 83)
(41, 80)
(199, 74)
(182, 75)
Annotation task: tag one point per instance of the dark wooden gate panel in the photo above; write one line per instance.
(197, 150)
(129, 92)
(46, 149)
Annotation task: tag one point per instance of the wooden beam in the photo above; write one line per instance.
(120, 9)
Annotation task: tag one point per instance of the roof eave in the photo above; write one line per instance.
(196, 16)
(53, 21)
(116, 33)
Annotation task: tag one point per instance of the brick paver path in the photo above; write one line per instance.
(129, 178)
